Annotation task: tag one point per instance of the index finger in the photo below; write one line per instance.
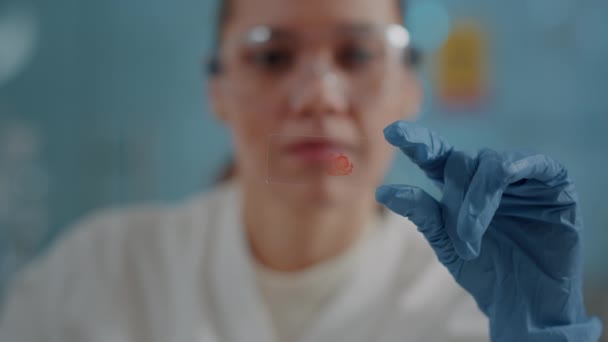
(424, 147)
(496, 171)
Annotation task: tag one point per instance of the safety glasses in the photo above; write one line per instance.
(355, 62)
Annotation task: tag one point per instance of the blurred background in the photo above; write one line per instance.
(102, 103)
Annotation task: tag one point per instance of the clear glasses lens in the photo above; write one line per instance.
(270, 62)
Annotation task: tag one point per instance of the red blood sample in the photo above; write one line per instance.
(339, 165)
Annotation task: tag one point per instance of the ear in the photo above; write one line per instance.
(217, 98)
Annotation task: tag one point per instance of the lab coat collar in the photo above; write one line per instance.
(355, 311)
(238, 305)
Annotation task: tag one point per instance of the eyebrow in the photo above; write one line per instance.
(262, 34)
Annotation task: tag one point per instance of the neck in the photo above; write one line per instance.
(289, 237)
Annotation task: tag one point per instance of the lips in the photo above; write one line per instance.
(315, 150)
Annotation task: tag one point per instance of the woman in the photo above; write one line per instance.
(287, 252)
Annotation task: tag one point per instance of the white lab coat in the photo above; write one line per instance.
(183, 273)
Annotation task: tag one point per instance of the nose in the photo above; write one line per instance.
(318, 91)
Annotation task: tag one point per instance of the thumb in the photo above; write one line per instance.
(425, 212)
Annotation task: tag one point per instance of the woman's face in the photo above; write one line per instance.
(303, 79)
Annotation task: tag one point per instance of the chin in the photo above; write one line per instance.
(322, 194)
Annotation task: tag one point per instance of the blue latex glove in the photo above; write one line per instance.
(508, 229)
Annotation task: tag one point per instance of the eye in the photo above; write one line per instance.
(354, 56)
(272, 59)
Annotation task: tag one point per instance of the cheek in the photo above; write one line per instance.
(381, 159)
(253, 123)
(380, 114)
(403, 99)
(398, 104)
(250, 133)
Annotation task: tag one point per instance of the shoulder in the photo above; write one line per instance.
(147, 223)
(103, 243)
(108, 268)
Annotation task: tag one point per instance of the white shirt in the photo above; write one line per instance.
(294, 299)
(183, 273)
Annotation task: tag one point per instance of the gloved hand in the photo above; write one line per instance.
(508, 229)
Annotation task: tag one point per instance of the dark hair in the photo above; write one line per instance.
(214, 65)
